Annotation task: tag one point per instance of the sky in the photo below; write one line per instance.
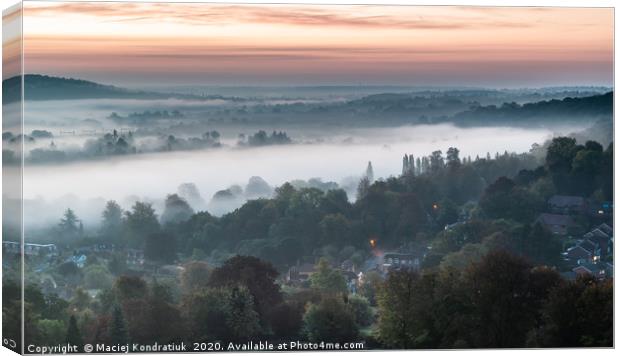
(158, 44)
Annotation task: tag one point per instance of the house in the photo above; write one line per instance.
(11, 247)
(600, 271)
(135, 257)
(393, 260)
(300, 272)
(567, 204)
(602, 240)
(590, 247)
(606, 229)
(556, 223)
(30, 249)
(577, 254)
(170, 270)
(79, 260)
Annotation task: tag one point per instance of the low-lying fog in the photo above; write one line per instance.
(85, 186)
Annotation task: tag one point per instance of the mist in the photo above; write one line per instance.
(342, 159)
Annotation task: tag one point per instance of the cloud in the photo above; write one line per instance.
(310, 15)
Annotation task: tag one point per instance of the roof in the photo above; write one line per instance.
(305, 268)
(606, 229)
(566, 201)
(577, 252)
(406, 256)
(588, 246)
(590, 268)
(596, 234)
(555, 219)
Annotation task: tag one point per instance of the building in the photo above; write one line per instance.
(601, 240)
(556, 223)
(300, 272)
(135, 257)
(577, 255)
(393, 260)
(567, 204)
(30, 249)
(597, 270)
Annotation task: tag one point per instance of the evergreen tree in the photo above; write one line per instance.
(370, 175)
(118, 330)
(362, 188)
(73, 333)
(69, 225)
(112, 220)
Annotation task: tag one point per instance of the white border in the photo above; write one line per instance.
(508, 3)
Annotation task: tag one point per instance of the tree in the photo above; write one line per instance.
(81, 299)
(73, 336)
(327, 279)
(330, 321)
(130, 287)
(452, 156)
(160, 247)
(195, 276)
(361, 310)
(370, 286)
(51, 331)
(69, 226)
(370, 175)
(190, 192)
(176, 210)
(436, 161)
(504, 199)
(397, 310)
(503, 296)
(97, 277)
(447, 212)
(242, 319)
(118, 330)
(334, 229)
(206, 312)
(117, 264)
(286, 320)
(589, 322)
(362, 188)
(559, 160)
(258, 276)
(141, 222)
(112, 221)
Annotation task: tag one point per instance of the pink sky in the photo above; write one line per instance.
(224, 44)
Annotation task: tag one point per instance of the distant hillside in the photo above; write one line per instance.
(590, 107)
(43, 87)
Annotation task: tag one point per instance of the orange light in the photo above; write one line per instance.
(373, 243)
(435, 206)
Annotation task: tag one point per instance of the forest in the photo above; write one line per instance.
(490, 275)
